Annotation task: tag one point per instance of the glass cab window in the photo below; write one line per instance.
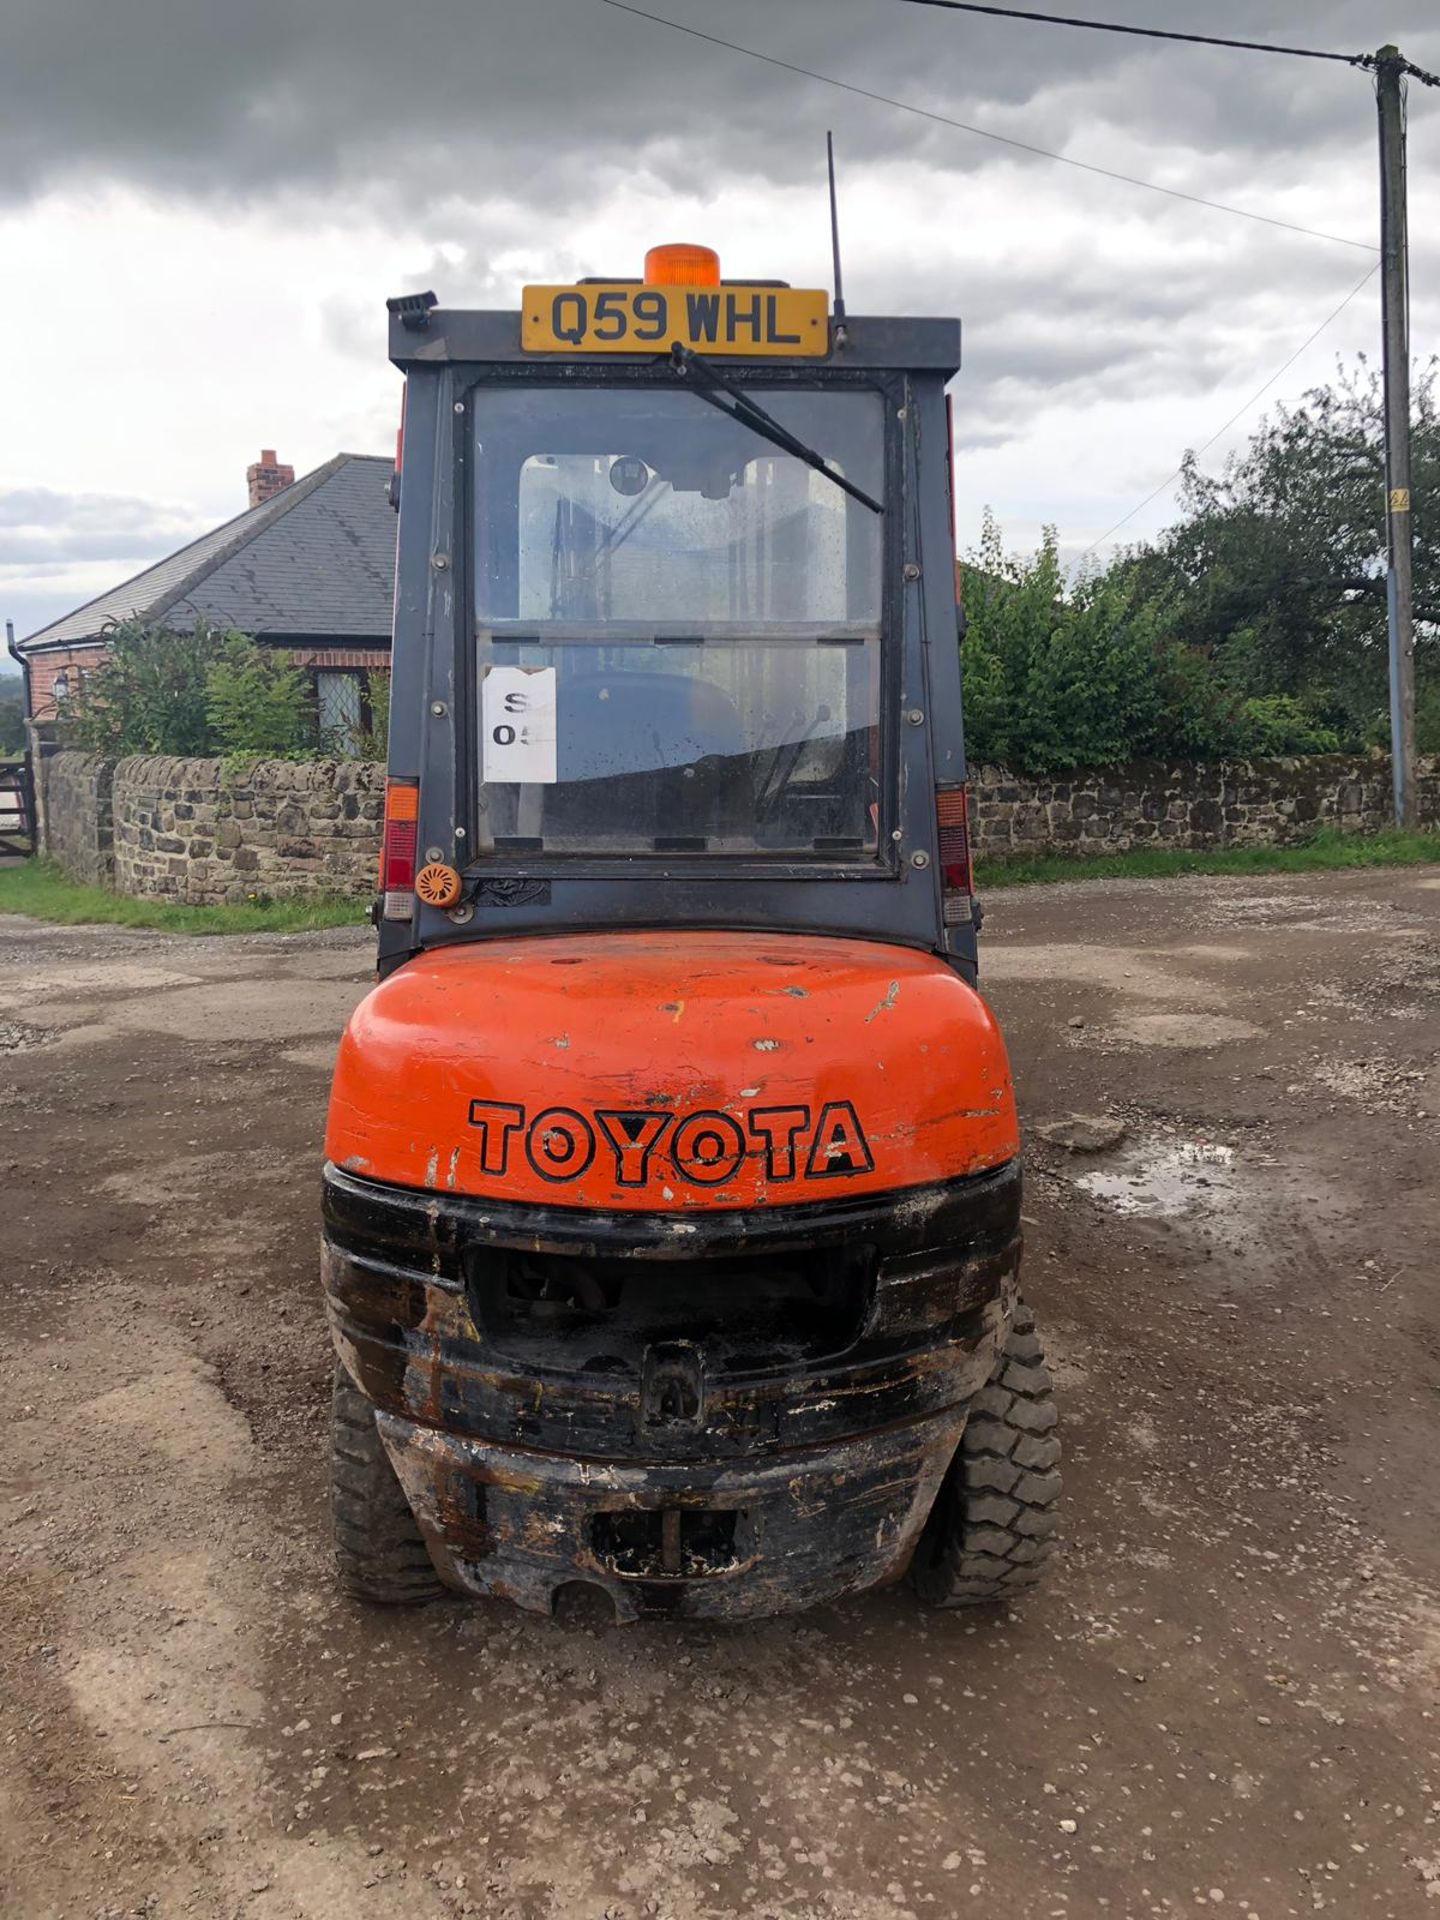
(677, 625)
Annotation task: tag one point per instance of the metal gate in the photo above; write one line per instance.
(17, 809)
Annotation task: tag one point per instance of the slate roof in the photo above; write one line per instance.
(317, 560)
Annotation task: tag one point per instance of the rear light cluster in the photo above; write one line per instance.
(952, 821)
(397, 850)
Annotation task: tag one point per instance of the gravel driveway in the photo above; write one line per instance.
(1224, 1700)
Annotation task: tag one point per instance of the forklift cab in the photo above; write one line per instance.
(672, 1189)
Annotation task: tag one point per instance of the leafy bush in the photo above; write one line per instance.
(205, 693)
(149, 696)
(1079, 675)
(375, 742)
(1277, 723)
(1092, 672)
(1427, 712)
(255, 702)
(1200, 710)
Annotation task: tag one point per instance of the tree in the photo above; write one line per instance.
(12, 716)
(1276, 568)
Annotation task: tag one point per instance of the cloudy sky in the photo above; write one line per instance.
(203, 206)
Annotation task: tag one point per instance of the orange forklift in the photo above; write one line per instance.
(672, 1189)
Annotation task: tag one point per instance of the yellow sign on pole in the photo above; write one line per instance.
(749, 322)
(1399, 500)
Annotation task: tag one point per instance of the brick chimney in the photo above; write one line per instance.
(267, 478)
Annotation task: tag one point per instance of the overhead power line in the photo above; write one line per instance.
(986, 133)
(1145, 33)
(1240, 412)
(1391, 70)
(1368, 60)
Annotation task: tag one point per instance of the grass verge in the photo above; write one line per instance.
(1329, 849)
(41, 890)
(44, 892)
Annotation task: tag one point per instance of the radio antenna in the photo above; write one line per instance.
(840, 328)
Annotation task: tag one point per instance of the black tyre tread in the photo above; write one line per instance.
(994, 1524)
(380, 1553)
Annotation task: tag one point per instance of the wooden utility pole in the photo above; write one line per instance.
(1390, 72)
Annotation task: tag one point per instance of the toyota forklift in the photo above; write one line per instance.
(672, 1182)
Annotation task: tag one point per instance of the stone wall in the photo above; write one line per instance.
(73, 805)
(1189, 807)
(203, 832)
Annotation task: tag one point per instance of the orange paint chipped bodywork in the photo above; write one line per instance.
(757, 1097)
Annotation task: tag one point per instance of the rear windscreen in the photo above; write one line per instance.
(677, 624)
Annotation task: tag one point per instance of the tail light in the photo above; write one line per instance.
(397, 849)
(952, 821)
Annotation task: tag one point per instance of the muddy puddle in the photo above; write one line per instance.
(1165, 1179)
(1263, 1215)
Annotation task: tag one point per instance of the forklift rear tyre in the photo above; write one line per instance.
(993, 1526)
(380, 1554)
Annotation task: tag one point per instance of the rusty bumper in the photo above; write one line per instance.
(768, 1537)
(716, 1416)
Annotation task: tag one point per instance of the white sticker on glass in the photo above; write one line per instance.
(517, 714)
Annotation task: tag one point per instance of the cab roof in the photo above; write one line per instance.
(450, 336)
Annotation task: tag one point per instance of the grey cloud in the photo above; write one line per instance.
(42, 530)
(514, 120)
(551, 100)
(43, 570)
(1043, 324)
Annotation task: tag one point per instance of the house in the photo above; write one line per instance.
(308, 568)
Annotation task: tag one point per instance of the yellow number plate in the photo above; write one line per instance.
(756, 322)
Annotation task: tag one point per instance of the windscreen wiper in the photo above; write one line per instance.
(709, 384)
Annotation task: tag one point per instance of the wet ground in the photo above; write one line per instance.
(1225, 1700)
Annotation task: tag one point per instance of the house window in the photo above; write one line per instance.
(340, 708)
